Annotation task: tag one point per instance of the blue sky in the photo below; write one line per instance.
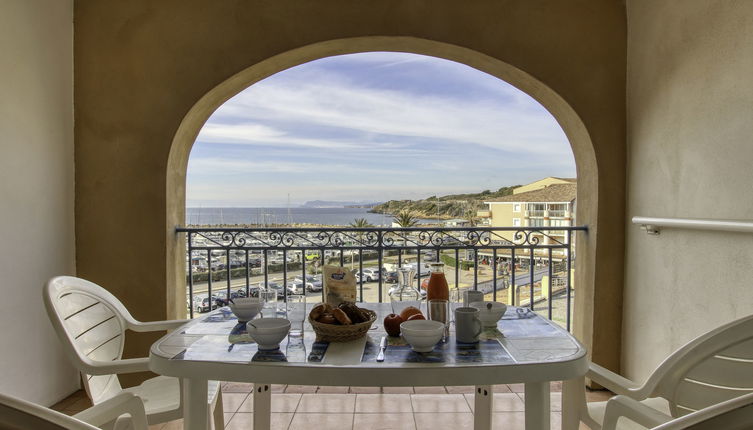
(372, 127)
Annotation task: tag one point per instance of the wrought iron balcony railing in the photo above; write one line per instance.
(522, 266)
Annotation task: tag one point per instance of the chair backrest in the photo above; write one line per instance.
(711, 369)
(22, 415)
(736, 414)
(90, 323)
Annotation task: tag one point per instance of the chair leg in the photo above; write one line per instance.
(217, 413)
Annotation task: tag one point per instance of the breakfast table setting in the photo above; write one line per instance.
(419, 341)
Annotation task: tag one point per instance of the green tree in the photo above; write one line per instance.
(405, 219)
(361, 223)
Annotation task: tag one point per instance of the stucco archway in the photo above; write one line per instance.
(567, 117)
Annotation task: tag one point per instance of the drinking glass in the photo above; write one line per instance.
(269, 295)
(439, 310)
(457, 297)
(296, 313)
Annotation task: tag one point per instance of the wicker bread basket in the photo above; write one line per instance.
(342, 333)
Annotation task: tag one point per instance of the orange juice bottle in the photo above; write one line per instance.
(437, 288)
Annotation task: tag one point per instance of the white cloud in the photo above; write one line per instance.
(513, 126)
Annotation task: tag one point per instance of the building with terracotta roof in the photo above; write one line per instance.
(549, 202)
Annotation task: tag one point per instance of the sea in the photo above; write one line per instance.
(267, 216)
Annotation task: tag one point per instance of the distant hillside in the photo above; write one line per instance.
(444, 207)
(337, 204)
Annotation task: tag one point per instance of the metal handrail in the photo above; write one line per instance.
(653, 225)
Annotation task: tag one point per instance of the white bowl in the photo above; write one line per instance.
(268, 332)
(489, 315)
(422, 335)
(246, 310)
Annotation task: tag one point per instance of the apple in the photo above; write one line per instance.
(392, 324)
(410, 310)
(416, 317)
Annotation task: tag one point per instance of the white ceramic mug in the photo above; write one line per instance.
(472, 296)
(467, 325)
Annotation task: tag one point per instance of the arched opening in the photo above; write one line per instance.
(574, 128)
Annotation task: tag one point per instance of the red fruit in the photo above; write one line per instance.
(416, 317)
(392, 324)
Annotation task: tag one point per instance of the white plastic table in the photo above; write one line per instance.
(524, 348)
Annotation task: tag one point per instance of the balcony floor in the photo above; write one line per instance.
(294, 406)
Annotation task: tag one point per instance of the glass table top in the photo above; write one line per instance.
(520, 337)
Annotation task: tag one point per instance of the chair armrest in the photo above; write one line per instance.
(623, 406)
(614, 382)
(139, 326)
(110, 409)
(128, 365)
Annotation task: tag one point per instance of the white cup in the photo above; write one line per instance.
(472, 296)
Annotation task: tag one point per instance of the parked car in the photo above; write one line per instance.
(203, 303)
(391, 278)
(369, 275)
(277, 286)
(295, 287)
(313, 283)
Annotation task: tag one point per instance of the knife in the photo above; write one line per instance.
(382, 347)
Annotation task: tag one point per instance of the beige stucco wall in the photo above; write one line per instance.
(36, 191)
(690, 104)
(146, 70)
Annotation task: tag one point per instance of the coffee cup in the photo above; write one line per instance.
(471, 296)
(467, 325)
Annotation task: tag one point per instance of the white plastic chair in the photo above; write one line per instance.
(735, 414)
(91, 325)
(111, 413)
(712, 368)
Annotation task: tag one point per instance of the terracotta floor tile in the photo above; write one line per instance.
(321, 421)
(300, 389)
(327, 403)
(435, 421)
(174, 425)
(598, 395)
(237, 387)
(232, 401)
(365, 390)
(383, 403)
(278, 388)
(439, 403)
(509, 420)
(462, 389)
(245, 421)
(281, 402)
(555, 401)
(387, 421)
(503, 402)
(397, 390)
(429, 390)
(285, 402)
(332, 390)
(517, 388)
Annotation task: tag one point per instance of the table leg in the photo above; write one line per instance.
(573, 396)
(262, 406)
(537, 405)
(195, 410)
(482, 411)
